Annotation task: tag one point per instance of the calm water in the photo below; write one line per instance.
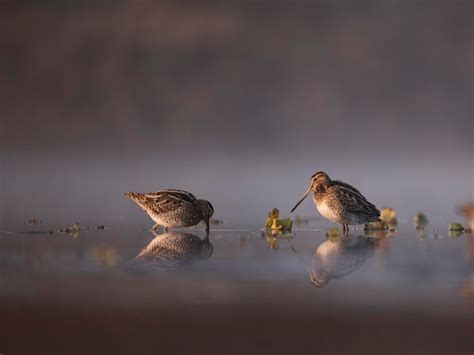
(403, 269)
(403, 273)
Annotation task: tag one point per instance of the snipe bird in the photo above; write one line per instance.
(339, 202)
(173, 208)
(172, 251)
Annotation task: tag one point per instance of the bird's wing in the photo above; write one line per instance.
(346, 186)
(353, 200)
(166, 200)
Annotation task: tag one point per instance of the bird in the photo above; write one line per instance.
(173, 208)
(336, 258)
(172, 251)
(339, 202)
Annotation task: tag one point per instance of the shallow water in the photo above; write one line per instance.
(402, 269)
(404, 273)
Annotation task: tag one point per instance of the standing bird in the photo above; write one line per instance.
(340, 202)
(173, 208)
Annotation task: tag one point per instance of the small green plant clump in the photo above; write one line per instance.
(378, 225)
(455, 227)
(388, 215)
(274, 223)
(420, 220)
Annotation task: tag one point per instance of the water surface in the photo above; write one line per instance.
(406, 276)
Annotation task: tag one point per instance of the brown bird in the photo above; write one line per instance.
(173, 208)
(339, 202)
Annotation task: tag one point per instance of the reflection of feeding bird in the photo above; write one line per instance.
(340, 202)
(170, 251)
(334, 259)
(173, 208)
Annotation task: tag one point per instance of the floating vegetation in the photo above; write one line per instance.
(75, 228)
(388, 215)
(274, 223)
(420, 220)
(378, 225)
(72, 230)
(379, 233)
(455, 227)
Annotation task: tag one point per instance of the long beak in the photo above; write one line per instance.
(301, 200)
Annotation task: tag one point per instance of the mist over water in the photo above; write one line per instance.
(90, 190)
(238, 103)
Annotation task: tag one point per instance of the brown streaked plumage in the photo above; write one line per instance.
(340, 202)
(173, 208)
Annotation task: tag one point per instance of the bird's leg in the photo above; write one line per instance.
(207, 225)
(155, 226)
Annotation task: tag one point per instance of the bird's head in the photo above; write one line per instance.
(317, 180)
(207, 211)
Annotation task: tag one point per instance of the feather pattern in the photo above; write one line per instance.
(173, 208)
(340, 202)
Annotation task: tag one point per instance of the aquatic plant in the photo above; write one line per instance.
(274, 223)
(388, 215)
(420, 220)
(455, 227)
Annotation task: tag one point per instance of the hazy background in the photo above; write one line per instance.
(238, 102)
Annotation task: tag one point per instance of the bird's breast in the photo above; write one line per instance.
(326, 210)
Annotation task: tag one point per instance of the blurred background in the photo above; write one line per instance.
(238, 102)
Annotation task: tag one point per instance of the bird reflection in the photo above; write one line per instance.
(172, 250)
(336, 258)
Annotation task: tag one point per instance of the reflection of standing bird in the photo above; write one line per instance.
(340, 202)
(175, 250)
(173, 208)
(334, 259)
